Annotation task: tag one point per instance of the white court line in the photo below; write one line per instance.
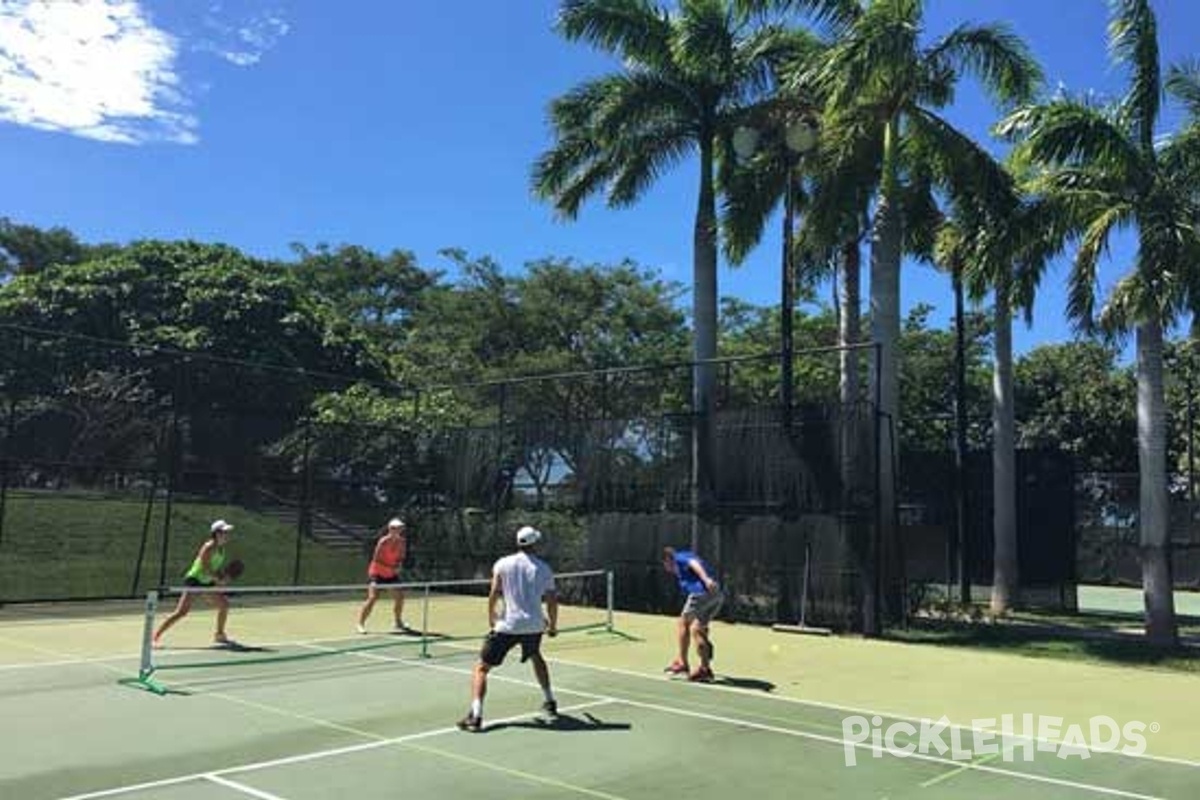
(70, 662)
(658, 678)
(315, 755)
(600, 699)
(243, 788)
(957, 765)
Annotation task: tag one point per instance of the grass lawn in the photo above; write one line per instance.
(1110, 638)
(57, 545)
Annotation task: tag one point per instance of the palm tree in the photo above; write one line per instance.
(1003, 243)
(1104, 165)
(685, 77)
(882, 82)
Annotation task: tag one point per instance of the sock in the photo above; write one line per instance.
(549, 694)
(476, 708)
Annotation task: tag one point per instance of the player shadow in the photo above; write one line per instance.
(239, 647)
(563, 723)
(744, 683)
(231, 647)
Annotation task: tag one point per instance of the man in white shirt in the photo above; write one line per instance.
(523, 580)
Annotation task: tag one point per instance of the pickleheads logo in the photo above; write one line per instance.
(1026, 735)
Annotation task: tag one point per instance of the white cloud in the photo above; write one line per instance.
(95, 68)
(242, 42)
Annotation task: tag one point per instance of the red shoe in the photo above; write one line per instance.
(677, 667)
(701, 675)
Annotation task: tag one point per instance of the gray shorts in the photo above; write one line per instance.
(704, 607)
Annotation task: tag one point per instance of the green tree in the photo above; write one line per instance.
(884, 85)
(209, 302)
(684, 79)
(378, 291)
(566, 322)
(1105, 162)
(28, 249)
(1075, 397)
(928, 394)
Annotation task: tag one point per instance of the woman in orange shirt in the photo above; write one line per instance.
(385, 570)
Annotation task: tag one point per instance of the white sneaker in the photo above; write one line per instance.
(361, 628)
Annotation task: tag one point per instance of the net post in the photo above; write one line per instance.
(609, 595)
(425, 623)
(146, 668)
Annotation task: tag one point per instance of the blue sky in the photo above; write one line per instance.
(392, 124)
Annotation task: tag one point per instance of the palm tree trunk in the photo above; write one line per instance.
(849, 333)
(849, 321)
(1153, 519)
(704, 312)
(886, 237)
(1005, 577)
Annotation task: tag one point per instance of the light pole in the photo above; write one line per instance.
(799, 137)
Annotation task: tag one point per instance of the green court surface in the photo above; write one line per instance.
(379, 723)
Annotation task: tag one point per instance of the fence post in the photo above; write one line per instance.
(174, 460)
(498, 491)
(304, 523)
(4, 461)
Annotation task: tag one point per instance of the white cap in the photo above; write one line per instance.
(220, 526)
(528, 535)
(395, 522)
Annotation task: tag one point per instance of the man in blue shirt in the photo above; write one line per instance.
(704, 600)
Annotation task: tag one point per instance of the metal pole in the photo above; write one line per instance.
(960, 441)
(1191, 433)
(1191, 440)
(425, 623)
(876, 549)
(304, 523)
(174, 460)
(609, 599)
(4, 461)
(146, 667)
(786, 301)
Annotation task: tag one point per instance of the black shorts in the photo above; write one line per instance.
(190, 581)
(497, 645)
(378, 581)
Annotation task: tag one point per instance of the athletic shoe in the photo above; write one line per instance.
(550, 708)
(402, 628)
(471, 723)
(361, 628)
(221, 640)
(701, 675)
(677, 667)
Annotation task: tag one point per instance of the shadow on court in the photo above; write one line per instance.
(230, 647)
(563, 723)
(744, 683)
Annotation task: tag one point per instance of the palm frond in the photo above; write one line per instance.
(957, 162)
(643, 159)
(1000, 59)
(1081, 300)
(632, 29)
(750, 196)
(1069, 132)
(703, 39)
(877, 57)
(1183, 83)
(1133, 42)
(1179, 158)
(838, 15)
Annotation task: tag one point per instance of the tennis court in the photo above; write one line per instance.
(377, 719)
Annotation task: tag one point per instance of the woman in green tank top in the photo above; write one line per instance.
(207, 570)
